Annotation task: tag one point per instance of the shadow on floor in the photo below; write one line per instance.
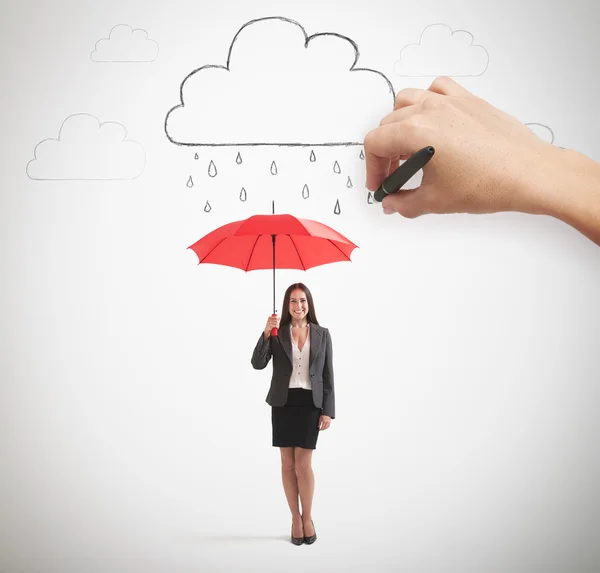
(237, 538)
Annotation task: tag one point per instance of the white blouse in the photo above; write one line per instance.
(300, 377)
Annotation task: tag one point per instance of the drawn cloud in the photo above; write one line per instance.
(542, 131)
(87, 150)
(124, 44)
(281, 87)
(442, 52)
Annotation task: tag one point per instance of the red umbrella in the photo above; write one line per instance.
(273, 242)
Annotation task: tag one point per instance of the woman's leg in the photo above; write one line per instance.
(306, 486)
(290, 486)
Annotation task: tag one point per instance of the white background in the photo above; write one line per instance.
(134, 431)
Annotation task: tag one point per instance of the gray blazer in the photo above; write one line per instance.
(320, 366)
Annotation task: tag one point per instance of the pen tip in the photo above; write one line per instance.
(430, 150)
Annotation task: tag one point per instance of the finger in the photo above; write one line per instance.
(411, 96)
(395, 162)
(400, 114)
(444, 85)
(378, 168)
(387, 142)
(410, 203)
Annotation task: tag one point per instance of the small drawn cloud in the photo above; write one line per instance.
(281, 87)
(87, 150)
(124, 44)
(542, 131)
(442, 52)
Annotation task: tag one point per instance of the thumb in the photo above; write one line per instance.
(409, 203)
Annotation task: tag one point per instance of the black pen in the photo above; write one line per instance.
(400, 176)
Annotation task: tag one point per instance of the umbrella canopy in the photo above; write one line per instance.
(248, 244)
(273, 242)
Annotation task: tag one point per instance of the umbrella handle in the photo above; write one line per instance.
(274, 330)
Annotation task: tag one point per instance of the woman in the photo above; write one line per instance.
(301, 397)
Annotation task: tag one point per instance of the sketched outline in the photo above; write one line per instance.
(541, 125)
(124, 61)
(449, 75)
(100, 124)
(226, 67)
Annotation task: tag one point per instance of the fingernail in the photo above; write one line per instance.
(388, 211)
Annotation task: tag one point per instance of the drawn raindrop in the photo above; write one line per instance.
(212, 169)
(190, 182)
(370, 198)
(337, 209)
(349, 183)
(362, 155)
(238, 159)
(336, 167)
(313, 157)
(196, 156)
(273, 168)
(207, 207)
(305, 192)
(243, 194)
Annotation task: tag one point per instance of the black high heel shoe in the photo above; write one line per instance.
(312, 538)
(296, 540)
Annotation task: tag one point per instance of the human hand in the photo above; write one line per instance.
(272, 322)
(485, 161)
(324, 422)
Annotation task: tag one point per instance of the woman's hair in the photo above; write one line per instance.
(285, 309)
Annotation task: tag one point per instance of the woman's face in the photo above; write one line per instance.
(298, 304)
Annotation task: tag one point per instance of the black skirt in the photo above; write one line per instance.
(297, 423)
